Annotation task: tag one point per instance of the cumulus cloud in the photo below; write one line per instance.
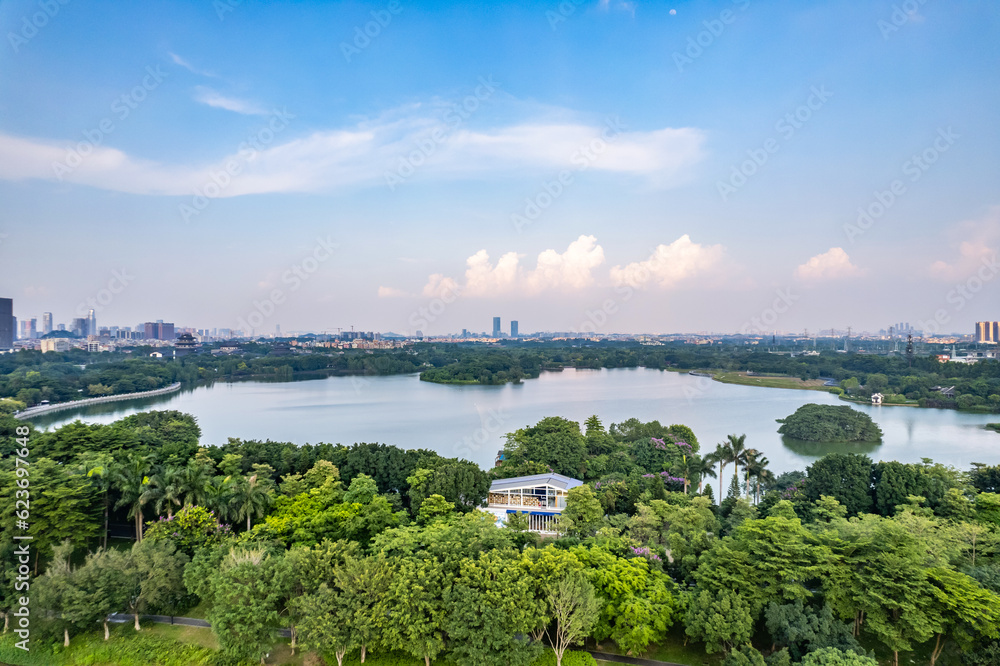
(217, 100)
(669, 264)
(364, 154)
(570, 270)
(834, 264)
(979, 244)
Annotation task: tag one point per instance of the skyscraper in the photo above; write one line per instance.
(513, 328)
(496, 327)
(6, 323)
(988, 331)
(91, 323)
(46, 323)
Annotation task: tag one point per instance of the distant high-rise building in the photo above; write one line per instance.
(158, 330)
(61, 327)
(6, 323)
(31, 329)
(79, 327)
(496, 327)
(91, 323)
(46, 323)
(988, 331)
(513, 328)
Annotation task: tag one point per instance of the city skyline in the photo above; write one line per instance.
(626, 175)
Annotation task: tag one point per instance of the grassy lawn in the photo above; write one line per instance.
(771, 382)
(201, 636)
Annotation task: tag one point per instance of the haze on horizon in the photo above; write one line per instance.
(616, 165)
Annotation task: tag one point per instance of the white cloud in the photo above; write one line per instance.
(219, 101)
(391, 292)
(362, 155)
(979, 244)
(834, 264)
(669, 264)
(188, 66)
(571, 270)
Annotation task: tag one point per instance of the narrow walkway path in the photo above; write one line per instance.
(73, 404)
(604, 656)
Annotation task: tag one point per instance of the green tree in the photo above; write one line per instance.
(583, 513)
(722, 620)
(963, 608)
(131, 479)
(417, 623)
(844, 476)
(831, 656)
(490, 609)
(251, 498)
(573, 609)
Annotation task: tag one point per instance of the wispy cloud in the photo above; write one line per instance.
(178, 60)
(362, 155)
(219, 101)
(980, 242)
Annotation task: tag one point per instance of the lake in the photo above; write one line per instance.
(470, 421)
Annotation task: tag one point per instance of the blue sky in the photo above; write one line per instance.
(618, 166)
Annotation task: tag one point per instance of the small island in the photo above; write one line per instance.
(830, 423)
(995, 427)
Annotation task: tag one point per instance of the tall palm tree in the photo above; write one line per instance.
(218, 493)
(749, 460)
(730, 451)
(98, 468)
(132, 481)
(705, 466)
(685, 468)
(166, 489)
(251, 498)
(194, 477)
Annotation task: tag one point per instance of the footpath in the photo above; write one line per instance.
(194, 622)
(73, 404)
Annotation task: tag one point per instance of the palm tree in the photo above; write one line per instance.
(132, 482)
(98, 469)
(759, 472)
(705, 466)
(730, 451)
(194, 479)
(218, 492)
(749, 460)
(166, 489)
(250, 499)
(685, 468)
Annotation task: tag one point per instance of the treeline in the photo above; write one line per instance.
(370, 549)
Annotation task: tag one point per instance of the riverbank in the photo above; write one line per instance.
(74, 404)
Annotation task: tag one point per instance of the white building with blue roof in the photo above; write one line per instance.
(541, 497)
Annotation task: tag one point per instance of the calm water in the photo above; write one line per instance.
(470, 421)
